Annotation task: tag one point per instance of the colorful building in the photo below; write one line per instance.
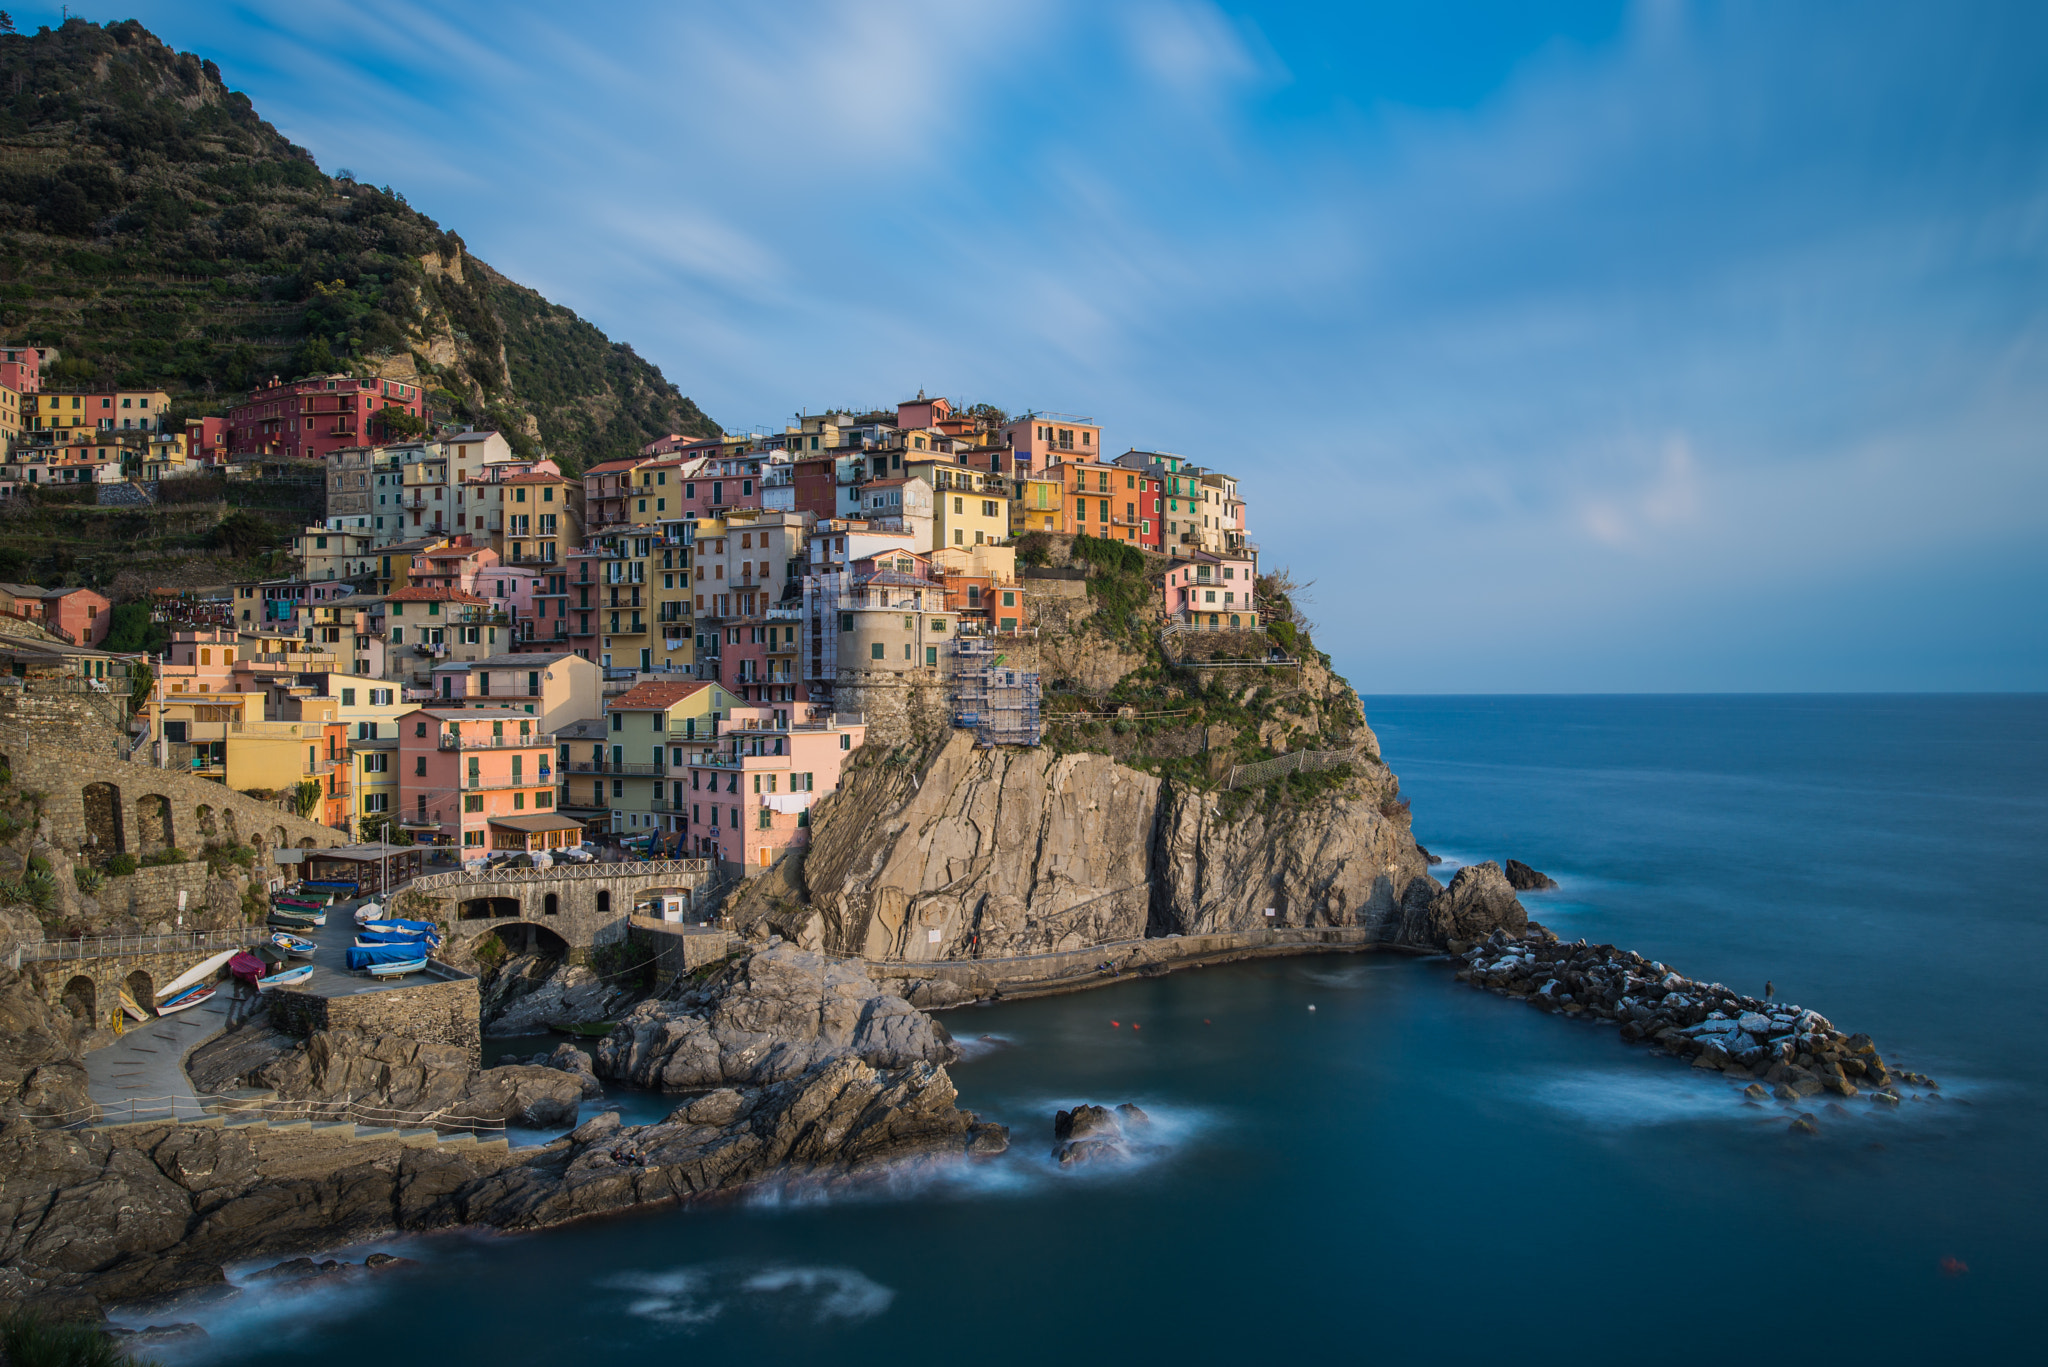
(463, 773)
(751, 789)
(636, 765)
(313, 418)
(1212, 592)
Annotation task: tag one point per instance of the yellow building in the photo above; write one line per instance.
(105, 410)
(10, 419)
(637, 767)
(1037, 506)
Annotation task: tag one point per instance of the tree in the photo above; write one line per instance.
(306, 797)
(134, 631)
(242, 533)
(6, 24)
(400, 424)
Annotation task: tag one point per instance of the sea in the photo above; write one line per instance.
(1356, 1158)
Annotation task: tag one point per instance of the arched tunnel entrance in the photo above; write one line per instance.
(487, 908)
(82, 999)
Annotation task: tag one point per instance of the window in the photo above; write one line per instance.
(931, 657)
(376, 802)
(419, 766)
(472, 802)
(874, 652)
(377, 762)
(938, 626)
(767, 820)
(419, 728)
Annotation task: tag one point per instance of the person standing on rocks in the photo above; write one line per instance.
(1769, 988)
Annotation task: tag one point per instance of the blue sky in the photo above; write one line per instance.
(1580, 347)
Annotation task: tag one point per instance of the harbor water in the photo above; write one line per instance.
(1413, 1171)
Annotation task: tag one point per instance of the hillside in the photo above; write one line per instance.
(158, 232)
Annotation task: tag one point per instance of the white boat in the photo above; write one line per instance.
(199, 974)
(369, 911)
(398, 969)
(290, 977)
(135, 1013)
(191, 996)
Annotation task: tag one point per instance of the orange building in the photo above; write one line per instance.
(1106, 501)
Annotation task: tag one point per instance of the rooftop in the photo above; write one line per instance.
(656, 694)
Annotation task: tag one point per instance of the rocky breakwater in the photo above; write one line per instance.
(1776, 1048)
(1097, 1134)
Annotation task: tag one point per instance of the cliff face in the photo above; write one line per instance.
(982, 853)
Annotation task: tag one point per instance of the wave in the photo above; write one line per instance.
(687, 1298)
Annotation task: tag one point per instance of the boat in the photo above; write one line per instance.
(400, 968)
(399, 933)
(376, 957)
(191, 996)
(402, 927)
(368, 911)
(202, 972)
(297, 920)
(135, 1013)
(293, 945)
(298, 903)
(290, 977)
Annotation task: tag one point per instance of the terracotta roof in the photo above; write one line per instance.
(410, 595)
(656, 694)
(614, 466)
(534, 477)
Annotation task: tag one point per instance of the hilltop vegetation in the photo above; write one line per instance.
(159, 233)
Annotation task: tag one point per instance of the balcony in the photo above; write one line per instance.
(541, 780)
(452, 741)
(621, 767)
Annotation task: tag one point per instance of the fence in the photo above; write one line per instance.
(644, 868)
(109, 946)
(1266, 770)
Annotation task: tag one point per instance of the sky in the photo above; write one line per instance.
(1575, 347)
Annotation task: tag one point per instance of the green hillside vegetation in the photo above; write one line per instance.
(159, 233)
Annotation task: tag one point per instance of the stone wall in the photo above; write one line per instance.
(676, 948)
(445, 1012)
(911, 708)
(65, 746)
(152, 893)
(585, 905)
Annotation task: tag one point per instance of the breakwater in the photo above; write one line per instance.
(1779, 1049)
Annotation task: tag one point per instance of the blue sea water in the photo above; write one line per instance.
(1413, 1171)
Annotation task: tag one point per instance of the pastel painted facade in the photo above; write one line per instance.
(460, 771)
(316, 417)
(752, 789)
(1037, 440)
(636, 765)
(556, 689)
(1213, 592)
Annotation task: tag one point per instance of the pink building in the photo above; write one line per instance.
(751, 790)
(479, 779)
(81, 614)
(21, 369)
(315, 417)
(1037, 440)
(1212, 592)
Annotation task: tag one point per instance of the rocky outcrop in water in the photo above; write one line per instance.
(1522, 878)
(389, 1079)
(766, 1018)
(842, 1080)
(1796, 1052)
(1478, 902)
(1097, 1134)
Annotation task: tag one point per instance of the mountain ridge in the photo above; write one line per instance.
(158, 232)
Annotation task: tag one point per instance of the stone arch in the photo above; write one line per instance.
(487, 908)
(141, 990)
(82, 999)
(306, 842)
(525, 937)
(551, 905)
(104, 830)
(203, 815)
(279, 839)
(228, 827)
(153, 828)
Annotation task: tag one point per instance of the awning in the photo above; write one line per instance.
(537, 823)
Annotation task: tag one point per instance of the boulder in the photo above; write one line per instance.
(1522, 878)
(1478, 902)
(766, 1018)
(520, 1094)
(1084, 1122)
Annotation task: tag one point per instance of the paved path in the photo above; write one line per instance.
(141, 1076)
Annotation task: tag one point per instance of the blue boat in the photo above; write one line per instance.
(382, 933)
(401, 927)
(191, 996)
(386, 957)
(293, 945)
(290, 977)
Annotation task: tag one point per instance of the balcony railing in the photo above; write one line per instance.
(624, 767)
(453, 741)
(544, 779)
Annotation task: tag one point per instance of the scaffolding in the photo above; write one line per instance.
(999, 705)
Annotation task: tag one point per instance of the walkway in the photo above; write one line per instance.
(141, 1076)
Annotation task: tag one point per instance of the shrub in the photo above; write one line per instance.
(121, 865)
(28, 1340)
(255, 905)
(89, 879)
(40, 887)
(173, 855)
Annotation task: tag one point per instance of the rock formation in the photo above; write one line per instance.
(766, 1018)
(41, 1075)
(1094, 1134)
(1800, 1052)
(1522, 878)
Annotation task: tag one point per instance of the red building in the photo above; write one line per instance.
(817, 486)
(312, 418)
(206, 440)
(80, 614)
(21, 369)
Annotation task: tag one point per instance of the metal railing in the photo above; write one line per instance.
(530, 741)
(646, 868)
(110, 946)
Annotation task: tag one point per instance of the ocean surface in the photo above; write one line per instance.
(1413, 1171)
